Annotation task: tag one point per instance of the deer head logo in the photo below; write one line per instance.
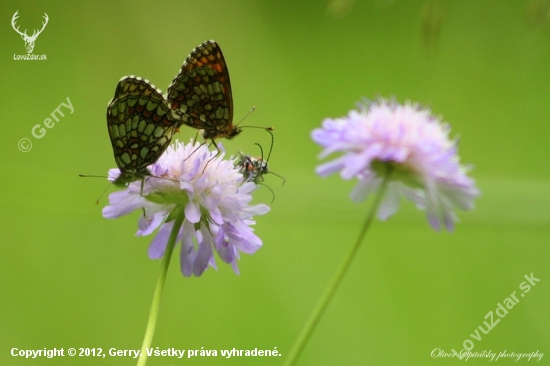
(29, 41)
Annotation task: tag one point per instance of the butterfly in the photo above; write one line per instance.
(140, 125)
(201, 93)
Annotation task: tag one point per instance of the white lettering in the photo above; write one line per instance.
(42, 131)
(69, 105)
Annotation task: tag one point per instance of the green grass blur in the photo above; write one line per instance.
(70, 278)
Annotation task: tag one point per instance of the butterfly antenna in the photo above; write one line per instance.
(91, 176)
(246, 115)
(97, 176)
(263, 128)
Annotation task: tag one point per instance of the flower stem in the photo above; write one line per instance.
(153, 313)
(322, 305)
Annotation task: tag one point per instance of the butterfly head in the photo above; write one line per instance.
(234, 131)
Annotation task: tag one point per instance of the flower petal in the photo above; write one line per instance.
(158, 245)
(192, 212)
(214, 196)
(411, 141)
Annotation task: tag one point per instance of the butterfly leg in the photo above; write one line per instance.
(194, 151)
(142, 185)
(212, 142)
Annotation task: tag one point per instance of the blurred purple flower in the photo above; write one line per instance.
(216, 203)
(414, 144)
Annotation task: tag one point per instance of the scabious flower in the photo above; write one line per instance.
(215, 199)
(408, 141)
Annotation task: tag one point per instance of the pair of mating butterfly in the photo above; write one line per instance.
(141, 121)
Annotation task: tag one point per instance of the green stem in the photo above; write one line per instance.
(322, 305)
(153, 313)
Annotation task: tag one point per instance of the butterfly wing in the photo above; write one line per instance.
(201, 93)
(140, 125)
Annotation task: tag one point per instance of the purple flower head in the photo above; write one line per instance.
(216, 203)
(411, 142)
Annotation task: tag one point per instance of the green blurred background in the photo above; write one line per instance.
(70, 278)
